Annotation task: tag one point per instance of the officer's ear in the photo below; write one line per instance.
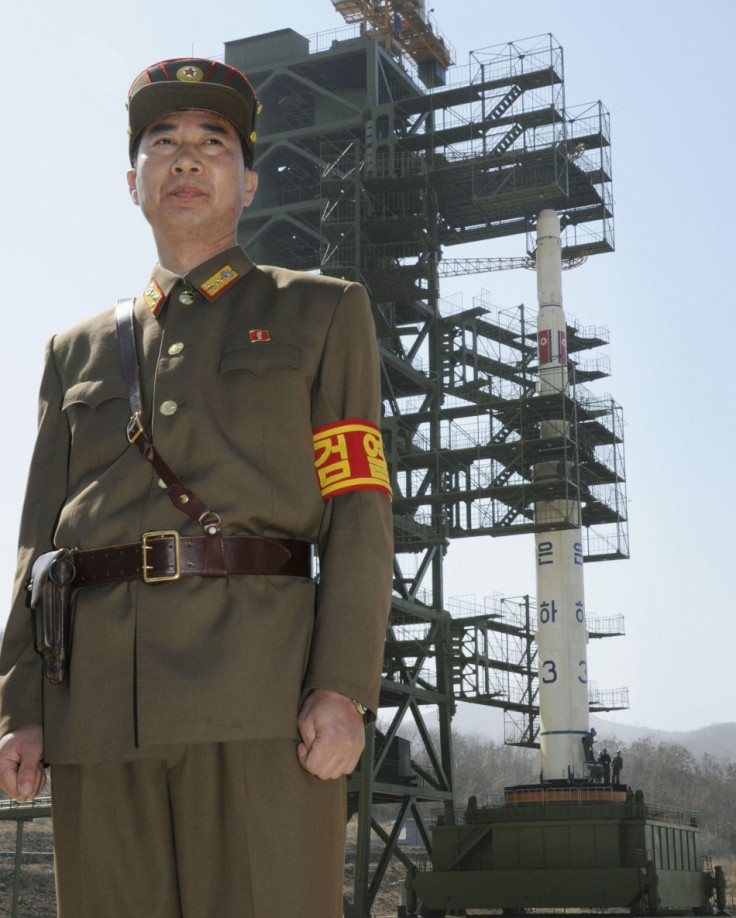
(131, 176)
(251, 185)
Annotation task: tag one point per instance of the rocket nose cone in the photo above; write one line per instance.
(548, 223)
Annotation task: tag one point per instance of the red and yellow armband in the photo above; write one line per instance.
(348, 456)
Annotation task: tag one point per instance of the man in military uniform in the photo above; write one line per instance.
(216, 693)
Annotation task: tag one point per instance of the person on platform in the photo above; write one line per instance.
(617, 767)
(604, 759)
(204, 693)
(588, 741)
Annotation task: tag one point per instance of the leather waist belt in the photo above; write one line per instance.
(165, 556)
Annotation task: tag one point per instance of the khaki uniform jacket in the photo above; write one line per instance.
(232, 414)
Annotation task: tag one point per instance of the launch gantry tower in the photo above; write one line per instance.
(373, 159)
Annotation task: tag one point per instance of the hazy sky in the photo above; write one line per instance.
(72, 243)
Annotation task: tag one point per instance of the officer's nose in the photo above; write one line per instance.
(186, 162)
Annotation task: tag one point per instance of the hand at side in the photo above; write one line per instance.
(22, 776)
(332, 732)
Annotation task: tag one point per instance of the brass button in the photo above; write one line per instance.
(168, 407)
(175, 349)
(186, 298)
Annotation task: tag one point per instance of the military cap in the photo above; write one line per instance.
(193, 83)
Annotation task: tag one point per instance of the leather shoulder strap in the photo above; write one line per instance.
(128, 356)
(181, 497)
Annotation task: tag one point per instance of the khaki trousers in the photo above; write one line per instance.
(225, 830)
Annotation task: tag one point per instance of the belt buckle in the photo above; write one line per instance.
(146, 540)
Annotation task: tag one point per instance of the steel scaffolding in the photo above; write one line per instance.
(368, 175)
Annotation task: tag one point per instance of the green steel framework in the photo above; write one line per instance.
(367, 174)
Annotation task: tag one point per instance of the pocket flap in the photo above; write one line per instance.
(93, 392)
(257, 358)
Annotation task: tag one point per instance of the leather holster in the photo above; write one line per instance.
(52, 583)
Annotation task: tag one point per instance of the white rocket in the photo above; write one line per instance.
(562, 635)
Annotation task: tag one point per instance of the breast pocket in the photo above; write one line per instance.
(260, 358)
(97, 411)
(262, 395)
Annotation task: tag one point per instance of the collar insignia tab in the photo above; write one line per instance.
(214, 285)
(154, 296)
(258, 335)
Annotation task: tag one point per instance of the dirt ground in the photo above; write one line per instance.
(36, 897)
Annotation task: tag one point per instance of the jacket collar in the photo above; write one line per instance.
(208, 280)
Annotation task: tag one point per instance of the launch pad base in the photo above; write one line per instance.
(577, 793)
(574, 847)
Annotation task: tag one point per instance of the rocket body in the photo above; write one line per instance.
(561, 634)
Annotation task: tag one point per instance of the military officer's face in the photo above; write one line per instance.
(190, 173)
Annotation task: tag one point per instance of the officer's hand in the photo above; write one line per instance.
(21, 763)
(333, 735)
